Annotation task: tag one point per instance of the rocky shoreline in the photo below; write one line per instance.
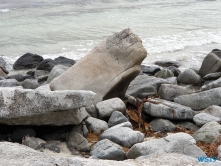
(109, 109)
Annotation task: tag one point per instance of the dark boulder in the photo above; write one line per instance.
(27, 61)
(167, 63)
(189, 76)
(48, 64)
(211, 63)
(150, 70)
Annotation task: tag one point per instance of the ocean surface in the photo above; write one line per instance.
(181, 30)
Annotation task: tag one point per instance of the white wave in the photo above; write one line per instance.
(171, 43)
(4, 10)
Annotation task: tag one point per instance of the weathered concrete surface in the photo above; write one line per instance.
(107, 69)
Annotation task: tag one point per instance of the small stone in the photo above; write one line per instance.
(106, 149)
(107, 107)
(34, 143)
(77, 141)
(116, 118)
(53, 146)
(123, 136)
(203, 118)
(189, 76)
(162, 125)
(96, 125)
(30, 84)
(208, 132)
(170, 91)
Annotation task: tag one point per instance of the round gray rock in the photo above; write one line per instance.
(123, 136)
(96, 125)
(189, 76)
(116, 118)
(107, 107)
(208, 132)
(203, 118)
(162, 125)
(106, 149)
(77, 141)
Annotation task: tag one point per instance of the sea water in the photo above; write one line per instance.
(178, 30)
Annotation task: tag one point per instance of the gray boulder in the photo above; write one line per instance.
(114, 63)
(213, 110)
(27, 61)
(56, 71)
(181, 143)
(150, 70)
(212, 76)
(116, 118)
(123, 136)
(208, 132)
(77, 141)
(9, 83)
(189, 76)
(144, 85)
(164, 73)
(169, 110)
(16, 101)
(203, 118)
(201, 100)
(30, 84)
(211, 85)
(162, 125)
(96, 125)
(34, 143)
(170, 91)
(107, 107)
(211, 63)
(106, 149)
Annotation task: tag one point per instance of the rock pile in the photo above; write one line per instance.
(104, 107)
